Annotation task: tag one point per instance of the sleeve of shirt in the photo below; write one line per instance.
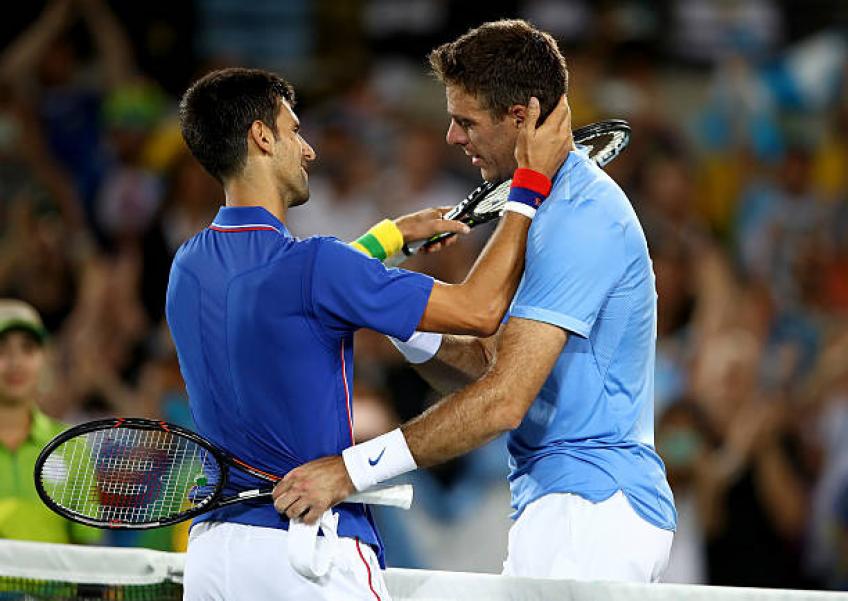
(571, 266)
(351, 291)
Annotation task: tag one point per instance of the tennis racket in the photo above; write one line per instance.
(604, 141)
(132, 473)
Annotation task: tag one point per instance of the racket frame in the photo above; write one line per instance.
(212, 501)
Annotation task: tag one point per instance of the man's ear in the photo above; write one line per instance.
(262, 136)
(517, 112)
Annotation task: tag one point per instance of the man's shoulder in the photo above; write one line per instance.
(202, 251)
(588, 177)
(190, 246)
(588, 191)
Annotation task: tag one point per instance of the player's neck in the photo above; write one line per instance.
(255, 192)
(15, 422)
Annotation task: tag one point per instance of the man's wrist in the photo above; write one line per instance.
(528, 191)
(378, 459)
(381, 241)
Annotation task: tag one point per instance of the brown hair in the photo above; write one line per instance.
(504, 63)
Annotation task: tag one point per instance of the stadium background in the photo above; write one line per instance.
(738, 169)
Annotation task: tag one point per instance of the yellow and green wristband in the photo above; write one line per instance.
(381, 241)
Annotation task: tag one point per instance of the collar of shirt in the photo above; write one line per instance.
(247, 219)
(581, 153)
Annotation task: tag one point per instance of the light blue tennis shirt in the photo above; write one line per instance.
(590, 431)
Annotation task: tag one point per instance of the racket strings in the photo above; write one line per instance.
(604, 147)
(494, 201)
(129, 475)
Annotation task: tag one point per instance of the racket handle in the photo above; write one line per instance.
(399, 495)
(416, 246)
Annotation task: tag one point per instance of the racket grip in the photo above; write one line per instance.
(416, 246)
(399, 495)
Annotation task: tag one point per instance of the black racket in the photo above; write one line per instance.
(605, 141)
(132, 473)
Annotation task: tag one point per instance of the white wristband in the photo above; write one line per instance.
(379, 459)
(520, 207)
(421, 346)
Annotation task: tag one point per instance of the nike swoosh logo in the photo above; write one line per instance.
(374, 462)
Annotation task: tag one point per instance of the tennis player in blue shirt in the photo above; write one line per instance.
(263, 325)
(569, 376)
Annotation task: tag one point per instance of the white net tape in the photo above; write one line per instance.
(41, 561)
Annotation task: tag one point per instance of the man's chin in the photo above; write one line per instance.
(299, 199)
(491, 175)
(16, 396)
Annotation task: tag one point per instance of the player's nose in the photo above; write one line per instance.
(455, 135)
(308, 152)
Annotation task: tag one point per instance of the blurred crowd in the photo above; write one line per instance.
(738, 169)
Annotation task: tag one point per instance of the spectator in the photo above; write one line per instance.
(45, 68)
(24, 430)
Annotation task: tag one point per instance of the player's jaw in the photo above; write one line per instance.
(293, 177)
(497, 170)
(496, 161)
(295, 189)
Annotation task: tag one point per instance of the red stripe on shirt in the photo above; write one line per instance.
(243, 229)
(368, 568)
(347, 396)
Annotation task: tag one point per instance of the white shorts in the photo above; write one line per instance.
(566, 536)
(227, 561)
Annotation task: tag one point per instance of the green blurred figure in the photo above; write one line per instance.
(24, 430)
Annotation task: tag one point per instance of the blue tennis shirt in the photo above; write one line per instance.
(263, 324)
(590, 431)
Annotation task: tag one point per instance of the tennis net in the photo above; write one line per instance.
(42, 572)
(47, 572)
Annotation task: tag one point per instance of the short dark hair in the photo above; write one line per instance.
(504, 63)
(217, 111)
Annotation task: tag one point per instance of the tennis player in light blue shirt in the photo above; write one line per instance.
(590, 430)
(573, 374)
(569, 375)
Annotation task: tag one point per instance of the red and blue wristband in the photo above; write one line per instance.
(528, 191)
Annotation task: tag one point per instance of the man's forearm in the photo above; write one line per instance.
(459, 423)
(460, 361)
(477, 305)
(496, 403)
(497, 272)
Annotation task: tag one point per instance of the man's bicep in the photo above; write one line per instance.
(527, 351)
(449, 312)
